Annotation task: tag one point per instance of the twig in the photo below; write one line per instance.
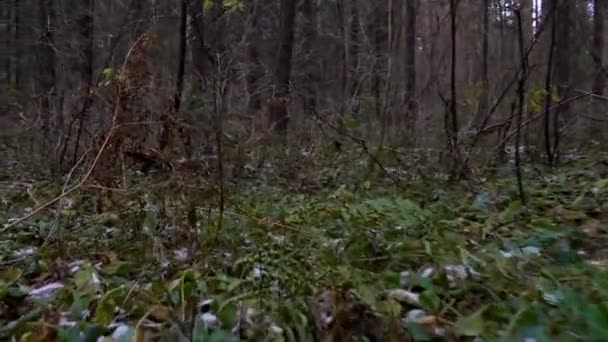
(66, 193)
(535, 117)
(363, 145)
(113, 128)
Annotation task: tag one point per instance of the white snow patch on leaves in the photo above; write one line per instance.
(24, 252)
(404, 296)
(46, 291)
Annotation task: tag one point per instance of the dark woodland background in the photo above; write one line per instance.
(469, 78)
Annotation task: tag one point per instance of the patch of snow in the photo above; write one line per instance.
(530, 250)
(333, 244)
(275, 329)
(404, 296)
(427, 272)
(46, 291)
(280, 239)
(121, 331)
(64, 322)
(182, 254)
(75, 265)
(524, 251)
(455, 273)
(209, 319)
(439, 331)
(258, 271)
(85, 314)
(458, 273)
(24, 252)
(553, 297)
(507, 254)
(250, 313)
(414, 315)
(95, 281)
(598, 263)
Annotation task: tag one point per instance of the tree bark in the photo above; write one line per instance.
(526, 10)
(309, 27)
(5, 23)
(597, 53)
(354, 44)
(84, 25)
(562, 68)
(451, 123)
(201, 57)
(548, 6)
(181, 62)
(597, 48)
(283, 65)
(484, 79)
(17, 42)
(136, 19)
(84, 63)
(410, 65)
(380, 45)
(46, 63)
(255, 71)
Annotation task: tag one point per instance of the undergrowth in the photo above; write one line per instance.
(315, 253)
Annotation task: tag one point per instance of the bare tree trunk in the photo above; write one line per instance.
(562, 69)
(548, 6)
(521, 91)
(452, 119)
(597, 53)
(17, 42)
(380, 41)
(46, 64)
(410, 67)
(354, 45)
(309, 10)
(136, 19)
(502, 47)
(216, 36)
(526, 9)
(283, 66)
(484, 79)
(84, 63)
(201, 58)
(255, 70)
(5, 19)
(344, 62)
(181, 62)
(525, 12)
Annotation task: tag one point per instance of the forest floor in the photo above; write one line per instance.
(311, 254)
